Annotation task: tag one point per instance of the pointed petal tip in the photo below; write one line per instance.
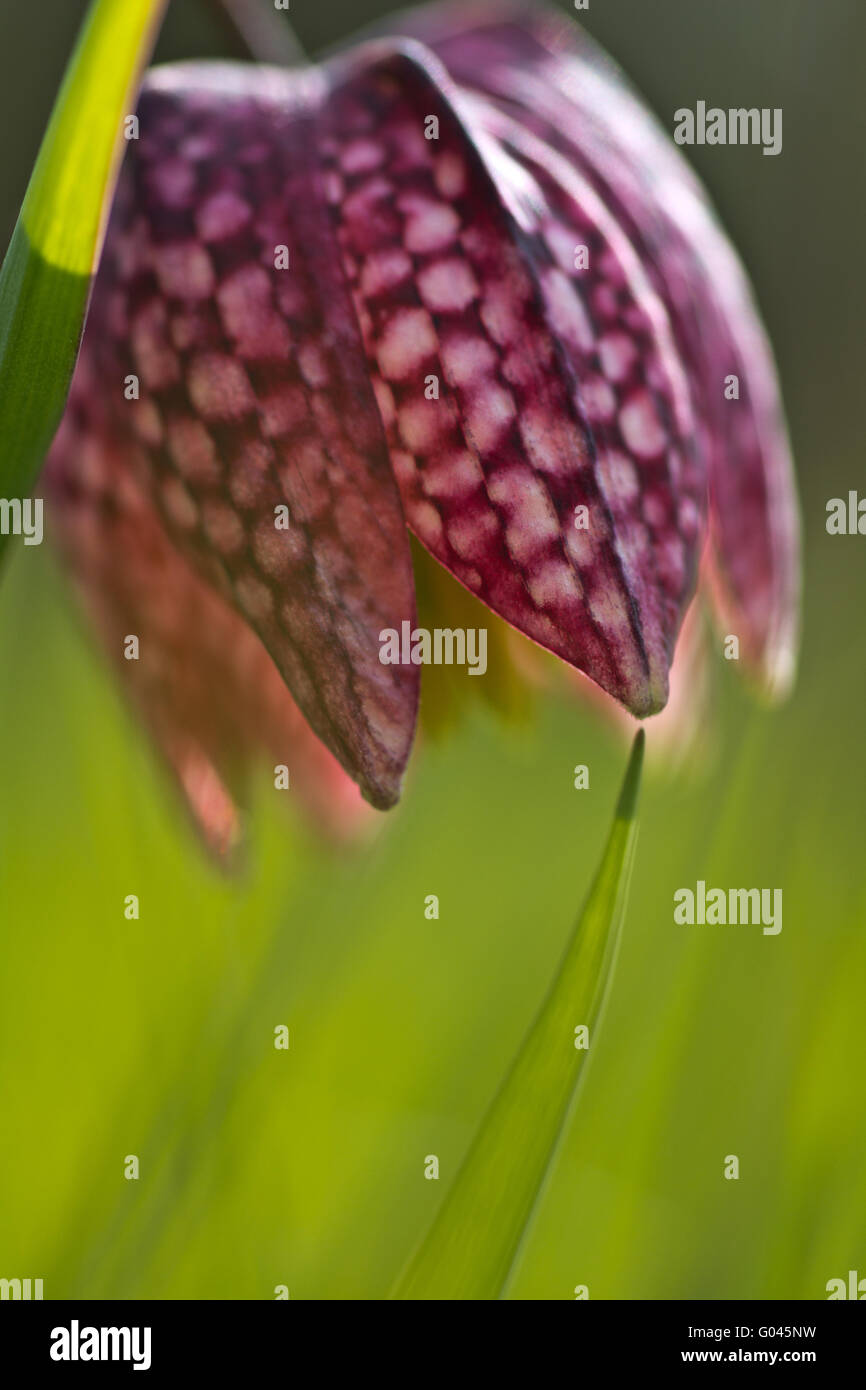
(647, 699)
(653, 703)
(383, 793)
(380, 800)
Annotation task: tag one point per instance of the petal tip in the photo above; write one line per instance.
(381, 798)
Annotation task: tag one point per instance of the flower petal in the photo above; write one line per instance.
(203, 683)
(455, 254)
(221, 290)
(550, 77)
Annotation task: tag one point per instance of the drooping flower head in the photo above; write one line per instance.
(457, 280)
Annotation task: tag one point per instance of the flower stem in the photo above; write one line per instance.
(259, 32)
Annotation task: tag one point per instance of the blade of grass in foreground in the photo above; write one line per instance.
(471, 1248)
(46, 274)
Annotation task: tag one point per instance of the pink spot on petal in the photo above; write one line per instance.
(641, 427)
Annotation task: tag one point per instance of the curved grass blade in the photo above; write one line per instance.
(46, 274)
(259, 32)
(471, 1248)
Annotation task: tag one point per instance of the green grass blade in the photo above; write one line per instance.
(471, 1248)
(46, 275)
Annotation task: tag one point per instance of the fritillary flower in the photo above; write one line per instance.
(457, 281)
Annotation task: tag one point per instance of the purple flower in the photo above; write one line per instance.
(457, 280)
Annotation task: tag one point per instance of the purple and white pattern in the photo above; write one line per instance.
(295, 256)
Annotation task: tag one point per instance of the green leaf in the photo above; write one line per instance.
(47, 272)
(472, 1246)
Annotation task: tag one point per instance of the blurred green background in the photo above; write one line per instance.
(305, 1168)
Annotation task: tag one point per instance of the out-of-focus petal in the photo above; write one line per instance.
(203, 683)
(683, 737)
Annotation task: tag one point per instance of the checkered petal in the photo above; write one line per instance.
(549, 77)
(464, 284)
(537, 415)
(229, 362)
